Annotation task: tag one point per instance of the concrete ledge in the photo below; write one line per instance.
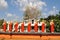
(26, 33)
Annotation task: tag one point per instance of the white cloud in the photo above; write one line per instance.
(54, 11)
(3, 4)
(11, 17)
(44, 15)
(32, 3)
(54, 7)
(41, 3)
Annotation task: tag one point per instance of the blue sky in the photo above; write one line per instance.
(14, 9)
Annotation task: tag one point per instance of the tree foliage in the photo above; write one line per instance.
(56, 22)
(1, 22)
(31, 13)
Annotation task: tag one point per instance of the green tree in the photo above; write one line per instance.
(56, 19)
(1, 22)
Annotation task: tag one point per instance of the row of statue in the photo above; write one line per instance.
(21, 26)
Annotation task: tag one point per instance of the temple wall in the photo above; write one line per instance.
(29, 37)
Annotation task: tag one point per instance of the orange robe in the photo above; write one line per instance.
(16, 27)
(10, 27)
(29, 27)
(4, 27)
(52, 27)
(36, 27)
(22, 27)
(43, 27)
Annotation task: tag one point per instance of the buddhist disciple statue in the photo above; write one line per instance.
(10, 26)
(52, 26)
(16, 27)
(43, 26)
(36, 26)
(4, 26)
